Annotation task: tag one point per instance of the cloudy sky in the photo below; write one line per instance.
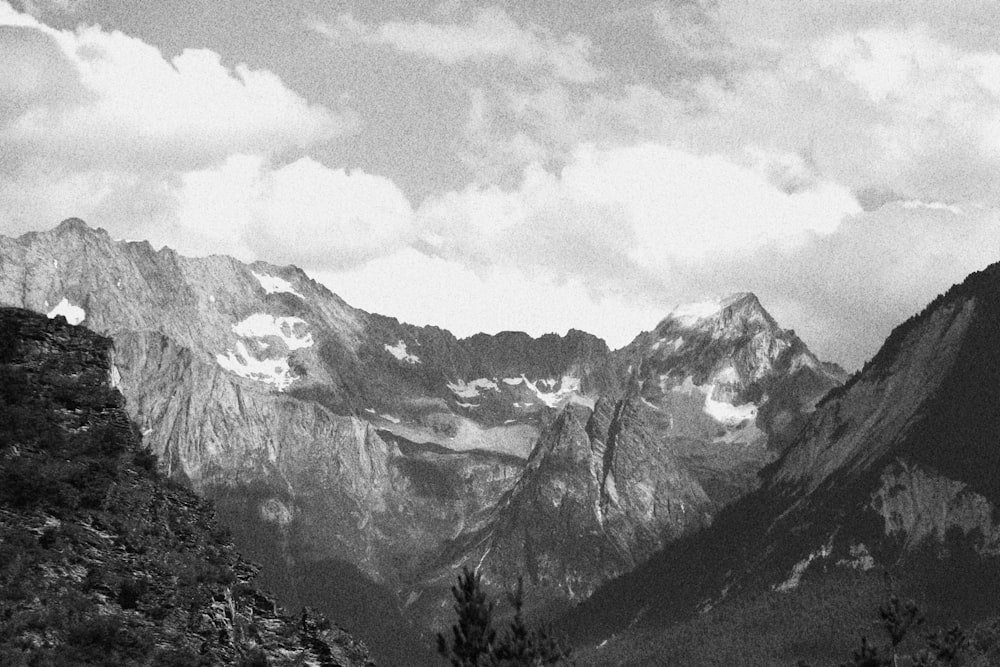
(527, 165)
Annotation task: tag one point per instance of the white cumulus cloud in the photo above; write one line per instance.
(131, 106)
(303, 212)
(101, 125)
(615, 218)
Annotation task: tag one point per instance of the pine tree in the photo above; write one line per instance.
(866, 656)
(474, 642)
(947, 646)
(523, 646)
(473, 634)
(898, 618)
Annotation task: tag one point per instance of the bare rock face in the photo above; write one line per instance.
(334, 440)
(918, 505)
(106, 561)
(600, 495)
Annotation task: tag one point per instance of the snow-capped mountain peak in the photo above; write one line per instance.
(736, 313)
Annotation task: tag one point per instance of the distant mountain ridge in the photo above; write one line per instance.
(332, 439)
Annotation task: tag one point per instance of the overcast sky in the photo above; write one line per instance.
(534, 165)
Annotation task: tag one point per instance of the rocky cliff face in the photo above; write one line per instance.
(895, 469)
(335, 440)
(727, 387)
(103, 560)
(599, 495)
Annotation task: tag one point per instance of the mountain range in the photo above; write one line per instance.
(362, 461)
(346, 446)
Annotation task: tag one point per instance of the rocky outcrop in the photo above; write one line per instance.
(104, 560)
(600, 494)
(917, 505)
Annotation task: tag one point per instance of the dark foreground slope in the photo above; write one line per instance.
(897, 471)
(101, 561)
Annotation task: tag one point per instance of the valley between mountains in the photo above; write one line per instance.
(361, 461)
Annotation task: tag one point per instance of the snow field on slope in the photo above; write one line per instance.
(73, 314)
(262, 325)
(274, 285)
(400, 352)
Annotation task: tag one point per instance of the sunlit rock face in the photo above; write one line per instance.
(599, 495)
(330, 435)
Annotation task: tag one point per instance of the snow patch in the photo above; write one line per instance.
(467, 405)
(692, 313)
(269, 371)
(73, 314)
(390, 418)
(720, 411)
(274, 284)
(288, 329)
(464, 389)
(513, 382)
(568, 385)
(727, 413)
(399, 351)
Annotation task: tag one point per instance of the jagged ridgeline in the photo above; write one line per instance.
(102, 561)
(363, 461)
